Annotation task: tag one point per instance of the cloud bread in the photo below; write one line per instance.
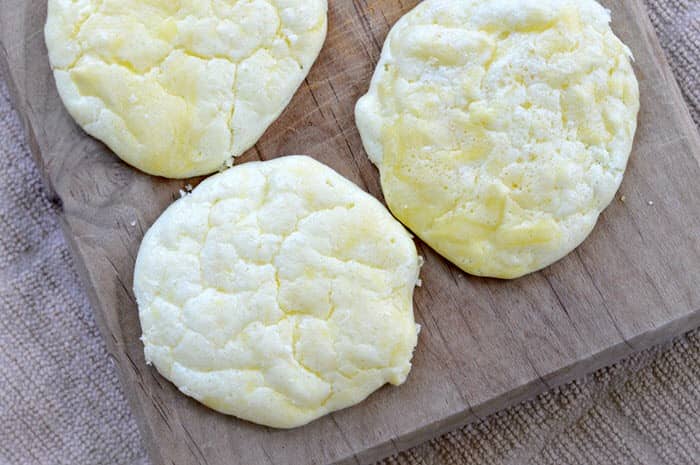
(501, 128)
(278, 292)
(177, 88)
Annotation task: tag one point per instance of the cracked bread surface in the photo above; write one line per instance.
(278, 292)
(501, 128)
(179, 88)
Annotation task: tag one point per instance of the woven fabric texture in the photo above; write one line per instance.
(60, 401)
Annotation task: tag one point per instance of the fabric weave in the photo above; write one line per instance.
(60, 400)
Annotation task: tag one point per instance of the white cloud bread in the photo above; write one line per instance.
(178, 88)
(278, 292)
(501, 128)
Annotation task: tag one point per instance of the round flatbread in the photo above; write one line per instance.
(177, 89)
(278, 292)
(501, 128)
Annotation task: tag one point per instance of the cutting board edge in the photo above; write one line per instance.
(87, 283)
(529, 391)
(682, 110)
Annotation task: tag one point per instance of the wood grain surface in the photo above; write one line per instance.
(485, 343)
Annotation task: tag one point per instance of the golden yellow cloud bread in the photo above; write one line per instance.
(278, 292)
(501, 128)
(177, 88)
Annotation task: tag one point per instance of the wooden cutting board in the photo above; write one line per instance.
(485, 343)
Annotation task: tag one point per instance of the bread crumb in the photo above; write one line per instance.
(226, 165)
(622, 199)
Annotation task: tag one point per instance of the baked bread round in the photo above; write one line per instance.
(177, 89)
(501, 128)
(278, 292)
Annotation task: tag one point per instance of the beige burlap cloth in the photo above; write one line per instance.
(60, 402)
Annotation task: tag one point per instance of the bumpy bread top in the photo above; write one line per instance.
(178, 88)
(501, 128)
(278, 292)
